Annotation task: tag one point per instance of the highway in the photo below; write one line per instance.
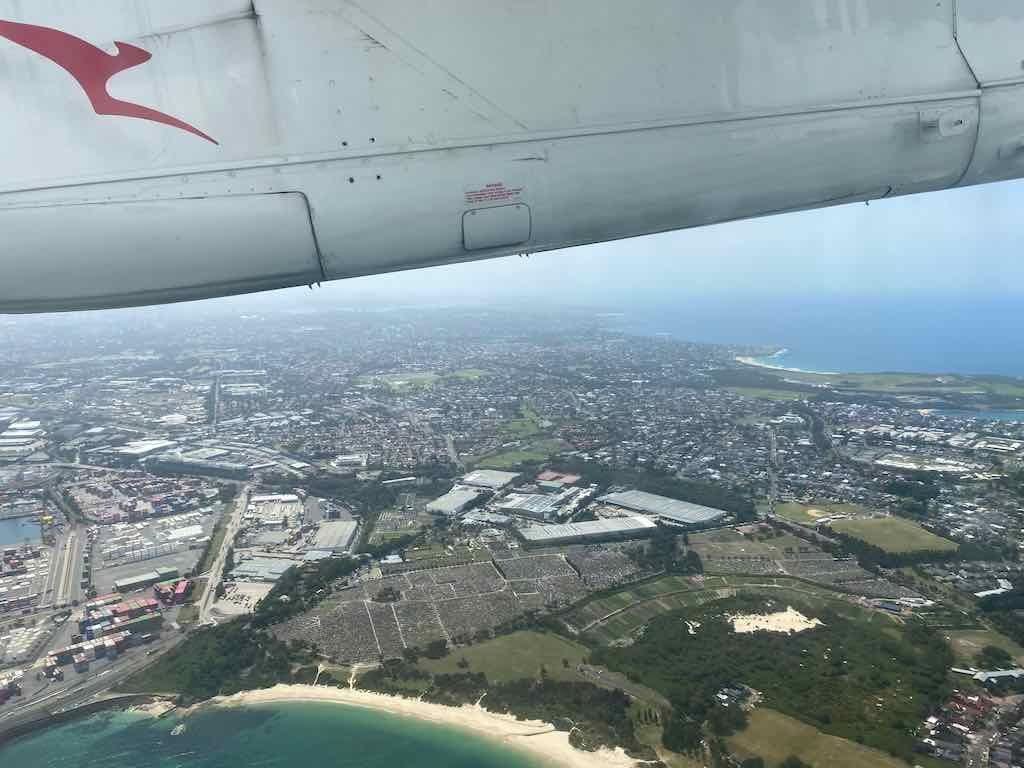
(217, 570)
(60, 696)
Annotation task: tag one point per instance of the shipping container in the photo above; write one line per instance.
(182, 591)
(143, 623)
(103, 600)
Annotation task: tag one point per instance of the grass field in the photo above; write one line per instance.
(526, 425)
(808, 514)
(536, 451)
(768, 394)
(399, 382)
(515, 656)
(903, 383)
(894, 535)
(774, 737)
(727, 542)
(967, 643)
(468, 374)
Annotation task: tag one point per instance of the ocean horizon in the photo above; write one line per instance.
(939, 335)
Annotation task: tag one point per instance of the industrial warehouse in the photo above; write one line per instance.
(668, 511)
(143, 580)
(334, 536)
(455, 502)
(607, 529)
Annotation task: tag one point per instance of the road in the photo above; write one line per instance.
(59, 696)
(453, 455)
(66, 568)
(215, 415)
(773, 470)
(98, 468)
(217, 570)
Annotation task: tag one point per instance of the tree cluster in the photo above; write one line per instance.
(664, 484)
(830, 676)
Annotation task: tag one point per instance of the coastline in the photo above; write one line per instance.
(153, 704)
(536, 738)
(762, 362)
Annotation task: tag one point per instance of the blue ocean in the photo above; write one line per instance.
(935, 335)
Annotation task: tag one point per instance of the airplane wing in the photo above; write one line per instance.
(158, 151)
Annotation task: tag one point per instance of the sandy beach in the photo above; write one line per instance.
(537, 738)
(761, 363)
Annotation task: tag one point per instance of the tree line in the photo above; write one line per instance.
(664, 484)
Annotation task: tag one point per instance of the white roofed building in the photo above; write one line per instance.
(454, 502)
(605, 529)
(335, 536)
(491, 479)
(667, 510)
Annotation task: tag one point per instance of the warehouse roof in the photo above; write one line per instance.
(279, 498)
(529, 503)
(453, 501)
(261, 568)
(129, 582)
(609, 526)
(489, 478)
(672, 510)
(140, 448)
(335, 535)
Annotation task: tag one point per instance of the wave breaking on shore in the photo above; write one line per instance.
(765, 362)
(535, 737)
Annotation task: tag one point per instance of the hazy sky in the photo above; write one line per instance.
(964, 241)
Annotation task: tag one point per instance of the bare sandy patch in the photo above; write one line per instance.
(788, 621)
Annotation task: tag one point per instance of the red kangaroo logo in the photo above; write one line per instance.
(92, 67)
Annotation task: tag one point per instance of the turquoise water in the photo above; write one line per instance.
(17, 530)
(304, 734)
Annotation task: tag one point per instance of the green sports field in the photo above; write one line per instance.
(894, 535)
(774, 737)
